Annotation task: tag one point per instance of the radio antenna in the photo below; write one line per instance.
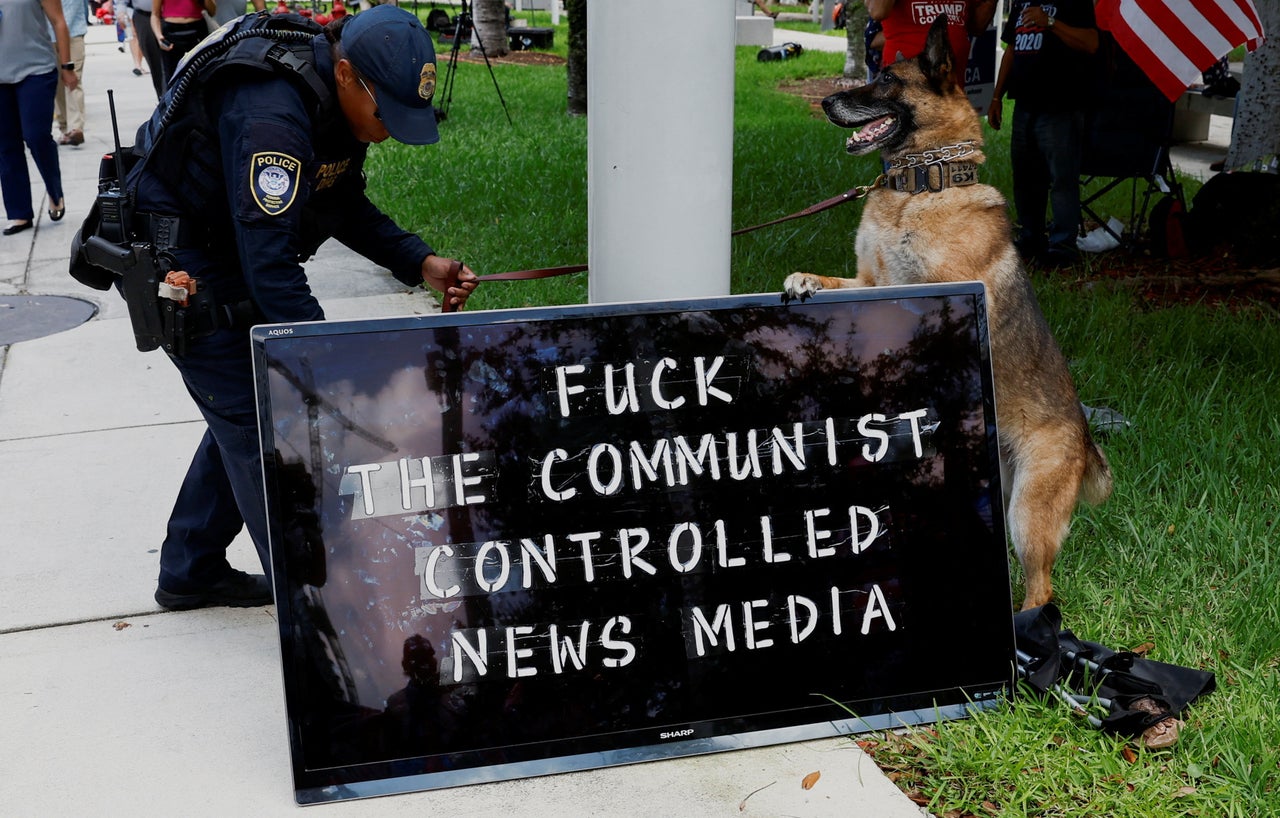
(115, 133)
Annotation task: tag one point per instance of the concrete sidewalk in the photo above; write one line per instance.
(110, 706)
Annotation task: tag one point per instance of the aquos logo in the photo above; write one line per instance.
(676, 734)
(286, 331)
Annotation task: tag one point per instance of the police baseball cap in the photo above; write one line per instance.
(389, 46)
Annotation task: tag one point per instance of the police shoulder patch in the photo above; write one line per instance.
(273, 178)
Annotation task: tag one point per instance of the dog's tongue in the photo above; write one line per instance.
(869, 132)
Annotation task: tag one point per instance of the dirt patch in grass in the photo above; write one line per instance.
(513, 58)
(815, 89)
(1211, 280)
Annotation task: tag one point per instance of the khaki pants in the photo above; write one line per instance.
(68, 106)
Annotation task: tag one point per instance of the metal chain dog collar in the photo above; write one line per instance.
(935, 156)
(914, 172)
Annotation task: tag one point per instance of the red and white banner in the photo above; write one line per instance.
(1172, 41)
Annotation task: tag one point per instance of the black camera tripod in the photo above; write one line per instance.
(463, 23)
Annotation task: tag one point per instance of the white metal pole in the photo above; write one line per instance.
(659, 148)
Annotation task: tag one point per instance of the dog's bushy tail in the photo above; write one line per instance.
(1096, 486)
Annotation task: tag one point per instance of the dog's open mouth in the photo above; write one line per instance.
(867, 136)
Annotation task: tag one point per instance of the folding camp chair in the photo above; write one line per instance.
(1127, 139)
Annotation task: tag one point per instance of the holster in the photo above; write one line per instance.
(161, 322)
(130, 250)
(136, 270)
(200, 317)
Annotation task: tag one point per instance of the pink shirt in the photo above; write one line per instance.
(182, 8)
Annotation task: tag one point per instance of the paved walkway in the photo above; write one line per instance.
(111, 707)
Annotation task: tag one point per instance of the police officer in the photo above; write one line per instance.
(246, 168)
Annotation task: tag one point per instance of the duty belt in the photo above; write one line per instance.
(204, 314)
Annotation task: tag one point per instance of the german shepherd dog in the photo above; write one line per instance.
(929, 221)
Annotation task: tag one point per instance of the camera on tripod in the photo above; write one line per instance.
(463, 28)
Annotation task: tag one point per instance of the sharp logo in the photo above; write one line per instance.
(676, 734)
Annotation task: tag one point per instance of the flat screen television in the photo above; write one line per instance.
(524, 542)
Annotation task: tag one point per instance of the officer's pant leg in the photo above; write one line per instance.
(204, 522)
(237, 441)
(223, 489)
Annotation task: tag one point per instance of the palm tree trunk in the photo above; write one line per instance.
(1255, 134)
(490, 17)
(577, 68)
(855, 55)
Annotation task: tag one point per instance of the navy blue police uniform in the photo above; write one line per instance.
(241, 185)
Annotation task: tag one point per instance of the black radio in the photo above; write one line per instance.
(108, 219)
(113, 201)
(113, 207)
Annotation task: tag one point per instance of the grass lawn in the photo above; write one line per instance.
(1184, 556)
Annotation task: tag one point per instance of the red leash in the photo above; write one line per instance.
(515, 275)
(525, 275)
(850, 195)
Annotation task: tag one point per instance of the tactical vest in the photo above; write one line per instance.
(179, 142)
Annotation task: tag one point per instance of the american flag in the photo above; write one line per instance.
(1174, 40)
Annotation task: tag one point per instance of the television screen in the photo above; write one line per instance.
(523, 542)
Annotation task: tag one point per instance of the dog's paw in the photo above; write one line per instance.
(800, 286)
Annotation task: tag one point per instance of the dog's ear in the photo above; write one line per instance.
(937, 61)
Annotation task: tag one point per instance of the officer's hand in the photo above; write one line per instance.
(453, 278)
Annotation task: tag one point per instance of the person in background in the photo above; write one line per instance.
(149, 45)
(178, 25)
(906, 25)
(131, 36)
(30, 67)
(122, 30)
(765, 9)
(228, 10)
(68, 103)
(873, 38)
(1046, 69)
